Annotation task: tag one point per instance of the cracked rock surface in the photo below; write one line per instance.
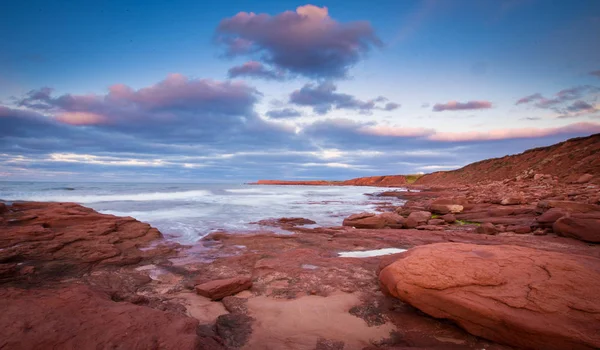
(520, 296)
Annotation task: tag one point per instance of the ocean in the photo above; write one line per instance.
(186, 212)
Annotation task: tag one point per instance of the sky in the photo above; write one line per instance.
(235, 91)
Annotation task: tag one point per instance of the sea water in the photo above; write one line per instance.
(187, 212)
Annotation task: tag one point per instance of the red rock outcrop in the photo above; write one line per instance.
(374, 221)
(66, 239)
(520, 296)
(76, 317)
(568, 161)
(219, 289)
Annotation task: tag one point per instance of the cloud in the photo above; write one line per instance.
(559, 103)
(516, 133)
(579, 106)
(307, 42)
(459, 106)
(560, 97)
(595, 73)
(323, 98)
(254, 69)
(529, 98)
(284, 113)
(161, 103)
(184, 129)
(390, 106)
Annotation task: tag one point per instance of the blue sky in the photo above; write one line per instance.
(241, 90)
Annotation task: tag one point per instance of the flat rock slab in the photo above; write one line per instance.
(76, 317)
(219, 289)
(519, 296)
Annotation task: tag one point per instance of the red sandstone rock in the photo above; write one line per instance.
(511, 200)
(63, 239)
(420, 216)
(436, 222)
(587, 230)
(446, 208)
(3, 208)
(549, 217)
(570, 206)
(449, 218)
(76, 317)
(286, 222)
(564, 160)
(584, 178)
(219, 289)
(374, 221)
(487, 229)
(533, 299)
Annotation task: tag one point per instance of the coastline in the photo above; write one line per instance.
(507, 254)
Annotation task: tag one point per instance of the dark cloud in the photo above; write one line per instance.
(559, 103)
(460, 106)
(560, 97)
(390, 106)
(284, 113)
(579, 106)
(323, 98)
(306, 42)
(254, 69)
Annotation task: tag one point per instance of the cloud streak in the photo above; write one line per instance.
(460, 106)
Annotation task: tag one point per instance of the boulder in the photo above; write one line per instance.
(374, 221)
(487, 229)
(363, 220)
(513, 200)
(219, 289)
(584, 178)
(549, 217)
(411, 223)
(449, 218)
(587, 230)
(446, 208)
(420, 216)
(523, 297)
(436, 222)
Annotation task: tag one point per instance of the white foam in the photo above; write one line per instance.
(245, 190)
(370, 253)
(139, 197)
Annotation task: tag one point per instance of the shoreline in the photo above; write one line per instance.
(286, 272)
(499, 264)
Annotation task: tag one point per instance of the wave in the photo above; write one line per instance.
(137, 197)
(245, 190)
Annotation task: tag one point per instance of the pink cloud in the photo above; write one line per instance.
(306, 41)
(459, 106)
(396, 131)
(503, 134)
(81, 118)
